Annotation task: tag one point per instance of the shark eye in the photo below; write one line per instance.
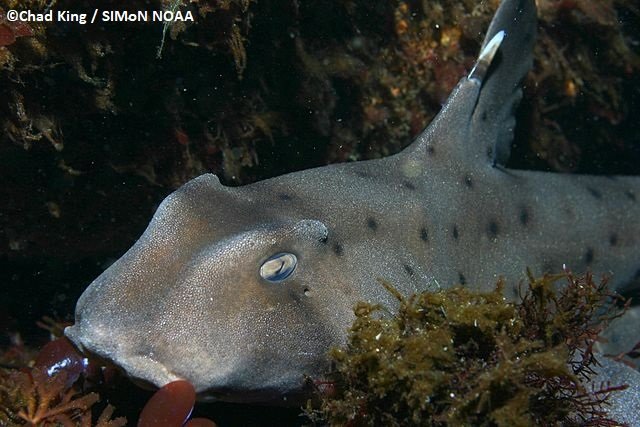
(278, 267)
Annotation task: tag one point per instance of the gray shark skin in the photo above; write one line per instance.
(242, 290)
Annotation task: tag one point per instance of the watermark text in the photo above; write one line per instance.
(99, 16)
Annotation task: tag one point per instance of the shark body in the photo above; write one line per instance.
(242, 290)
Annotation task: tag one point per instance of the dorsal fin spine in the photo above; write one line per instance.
(479, 70)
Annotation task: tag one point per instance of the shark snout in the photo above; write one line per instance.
(135, 356)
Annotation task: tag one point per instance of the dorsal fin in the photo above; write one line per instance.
(477, 121)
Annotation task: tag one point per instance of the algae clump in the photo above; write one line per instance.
(458, 357)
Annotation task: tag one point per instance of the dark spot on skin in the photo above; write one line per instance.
(424, 235)
(430, 150)
(408, 269)
(467, 181)
(613, 239)
(630, 195)
(595, 193)
(408, 185)
(462, 279)
(492, 229)
(484, 116)
(569, 212)
(324, 239)
(372, 224)
(588, 256)
(516, 292)
(338, 249)
(284, 196)
(524, 216)
(490, 153)
(455, 232)
(294, 295)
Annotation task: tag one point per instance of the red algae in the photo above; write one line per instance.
(170, 406)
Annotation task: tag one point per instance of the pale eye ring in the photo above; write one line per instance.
(278, 267)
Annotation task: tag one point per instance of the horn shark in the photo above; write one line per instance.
(242, 290)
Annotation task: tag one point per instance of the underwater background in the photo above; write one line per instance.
(99, 123)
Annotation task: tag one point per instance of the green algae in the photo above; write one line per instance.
(458, 357)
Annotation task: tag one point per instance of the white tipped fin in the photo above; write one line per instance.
(479, 70)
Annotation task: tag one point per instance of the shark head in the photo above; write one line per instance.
(207, 296)
(242, 291)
